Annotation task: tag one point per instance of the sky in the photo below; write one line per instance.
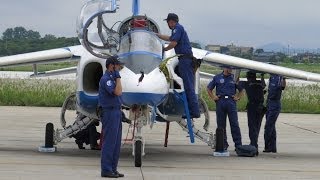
(242, 22)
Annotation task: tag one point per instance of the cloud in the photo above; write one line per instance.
(245, 22)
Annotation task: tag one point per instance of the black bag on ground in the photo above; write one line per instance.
(246, 150)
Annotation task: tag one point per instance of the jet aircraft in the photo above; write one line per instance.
(152, 89)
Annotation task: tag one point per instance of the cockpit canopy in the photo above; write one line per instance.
(133, 39)
(93, 32)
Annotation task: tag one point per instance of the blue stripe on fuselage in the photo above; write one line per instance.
(139, 53)
(87, 102)
(90, 103)
(131, 98)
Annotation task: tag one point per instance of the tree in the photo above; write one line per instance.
(195, 45)
(49, 37)
(19, 40)
(7, 34)
(20, 33)
(259, 51)
(33, 35)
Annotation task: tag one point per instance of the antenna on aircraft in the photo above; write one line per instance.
(136, 7)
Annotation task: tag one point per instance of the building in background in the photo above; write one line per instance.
(238, 51)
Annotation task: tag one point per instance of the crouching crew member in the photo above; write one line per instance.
(226, 103)
(110, 90)
(277, 83)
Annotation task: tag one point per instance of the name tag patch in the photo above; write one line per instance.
(109, 83)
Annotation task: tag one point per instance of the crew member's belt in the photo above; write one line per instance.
(225, 97)
(255, 102)
(112, 107)
(185, 56)
(274, 100)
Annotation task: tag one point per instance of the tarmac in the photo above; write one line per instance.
(22, 131)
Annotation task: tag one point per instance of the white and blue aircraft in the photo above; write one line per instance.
(149, 93)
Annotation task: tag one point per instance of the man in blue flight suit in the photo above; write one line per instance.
(110, 90)
(180, 42)
(226, 103)
(255, 109)
(277, 83)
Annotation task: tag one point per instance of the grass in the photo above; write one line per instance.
(310, 67)
(210, 69)
(52, 93)
(33, 92)
(304, 99)
(41, 67)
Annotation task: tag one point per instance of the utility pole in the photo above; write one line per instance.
(6, 44)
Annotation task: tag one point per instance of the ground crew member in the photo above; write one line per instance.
(255, 109)
(180, 42)
(110, 90)
(226, 99)
(277, 83)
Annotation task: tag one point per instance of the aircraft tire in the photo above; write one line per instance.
(138, 153)
(49, 135)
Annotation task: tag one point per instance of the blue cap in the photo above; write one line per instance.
(113, 60)
(226, 66)
(172, 16)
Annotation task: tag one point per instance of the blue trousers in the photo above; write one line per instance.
(270, 133)
(187, 75)
(255, 115)
(112, 132)
(228, 107)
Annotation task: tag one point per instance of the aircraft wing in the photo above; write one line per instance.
(241, 63)
(40, 57)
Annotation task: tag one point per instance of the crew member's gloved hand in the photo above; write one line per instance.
(117, 74)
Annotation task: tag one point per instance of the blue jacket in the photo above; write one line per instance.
(107, 98)
(225, 85)
(275, 87)
(181, 37)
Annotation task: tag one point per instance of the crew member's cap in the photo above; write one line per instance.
(226, 67)
(113, 60)
(172, 16)
(251, 74)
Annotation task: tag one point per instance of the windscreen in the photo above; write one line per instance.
(141, 51)
(141, 41)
